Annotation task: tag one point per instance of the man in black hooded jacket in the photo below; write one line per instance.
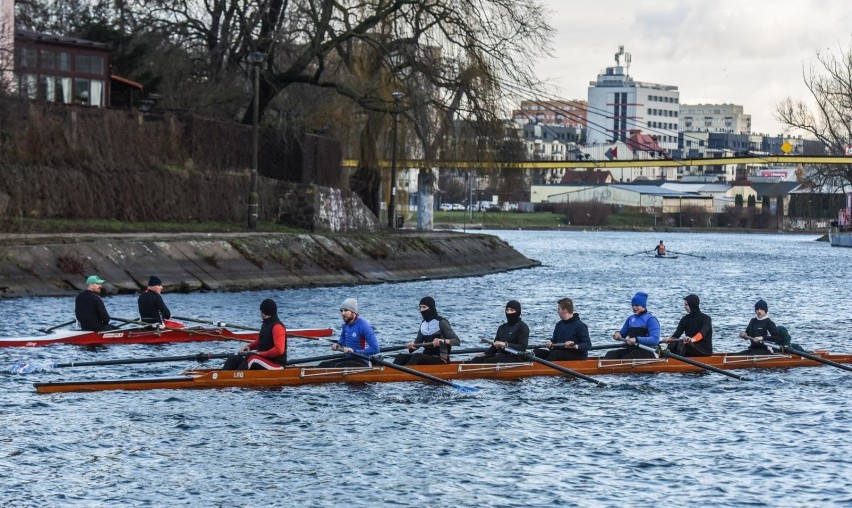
(698, 328)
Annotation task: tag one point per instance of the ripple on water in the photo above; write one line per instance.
(662, 440)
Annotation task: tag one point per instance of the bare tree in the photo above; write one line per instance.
(830, 120)
(446, 56)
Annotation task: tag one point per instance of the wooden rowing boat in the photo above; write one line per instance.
(146, 336)
(295, 376)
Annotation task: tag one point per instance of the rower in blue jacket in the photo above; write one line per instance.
(640, 328)
(357, 336)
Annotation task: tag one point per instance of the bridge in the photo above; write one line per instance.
(601, 164)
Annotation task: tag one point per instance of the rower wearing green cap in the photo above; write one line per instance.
(89, 308)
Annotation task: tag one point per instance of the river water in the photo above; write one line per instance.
(644, 440)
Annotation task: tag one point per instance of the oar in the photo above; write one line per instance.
(223, 324)
(809, 356)
(216, 323)
(337, 356)
(640, 252)
(593, 348)
(685, 254)
(690, 361)
(200, 358)
(48, 330)
(534, 358)
(428, 377)
(185, 330)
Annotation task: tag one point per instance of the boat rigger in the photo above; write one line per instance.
(298, 376)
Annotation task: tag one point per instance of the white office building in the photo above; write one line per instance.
(714, 118)
(618, 105)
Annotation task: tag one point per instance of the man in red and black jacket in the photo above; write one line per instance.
(271, 344)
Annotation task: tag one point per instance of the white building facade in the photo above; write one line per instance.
(714, 118)
(619, 105)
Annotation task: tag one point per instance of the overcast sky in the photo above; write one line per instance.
(746, 52)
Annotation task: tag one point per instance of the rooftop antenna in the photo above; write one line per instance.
(618, 55)
(627, 59)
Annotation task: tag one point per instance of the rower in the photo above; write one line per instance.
(357, 336)
(640, 328)
(514, 334)
(698, 328)
(759, 328)
(436, 332)
(570, 339)
(271, 344)
(660, 249)
(89, 308)
(152, 308)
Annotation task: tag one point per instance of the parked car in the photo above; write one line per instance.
(457, 206)
(446, 207)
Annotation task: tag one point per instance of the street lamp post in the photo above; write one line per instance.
(397, 95)
(255, 58)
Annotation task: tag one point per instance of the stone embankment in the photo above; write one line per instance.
(54, 265)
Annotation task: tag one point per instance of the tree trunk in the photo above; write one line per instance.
(425, 198)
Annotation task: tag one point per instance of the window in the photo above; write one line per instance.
(89, 64)
(54, 89)
(81, 91)
(27, 57)
(63, 61)
(89, 92)
(47, 60)
(27, 86)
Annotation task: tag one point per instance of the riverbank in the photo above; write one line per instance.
(57, 264)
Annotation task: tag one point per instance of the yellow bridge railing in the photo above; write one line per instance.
(490, 165)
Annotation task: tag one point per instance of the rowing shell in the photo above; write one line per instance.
(145, 336)
(295, 376)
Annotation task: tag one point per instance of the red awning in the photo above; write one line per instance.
(126, 81)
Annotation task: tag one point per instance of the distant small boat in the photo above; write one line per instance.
(663, 256)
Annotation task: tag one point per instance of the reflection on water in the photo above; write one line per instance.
(643, 440)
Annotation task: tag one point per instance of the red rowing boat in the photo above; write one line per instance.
(147, 336)
(295, 376)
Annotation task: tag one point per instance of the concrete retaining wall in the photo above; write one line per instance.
(58, 265)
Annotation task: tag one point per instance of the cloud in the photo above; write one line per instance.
(729, 51)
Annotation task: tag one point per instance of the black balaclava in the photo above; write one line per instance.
(432, 312)
(513, 318)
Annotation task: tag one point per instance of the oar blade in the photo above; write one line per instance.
(24, 368)
(465, 389)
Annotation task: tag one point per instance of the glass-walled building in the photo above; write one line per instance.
(61, 69)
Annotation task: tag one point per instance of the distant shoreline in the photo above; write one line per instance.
(823, 237)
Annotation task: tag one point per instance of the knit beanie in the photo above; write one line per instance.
(640, 299)
(761, 304)
(268, 307)
(350, 304)
(154, 281)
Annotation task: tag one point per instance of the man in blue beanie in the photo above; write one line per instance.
(640, 328)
